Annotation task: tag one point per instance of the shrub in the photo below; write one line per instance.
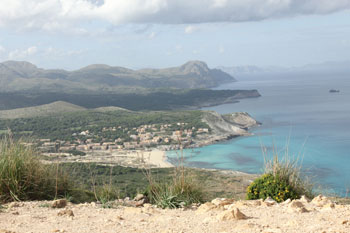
(24, 177)
(270, 186)
(281, 180)
(174, 194)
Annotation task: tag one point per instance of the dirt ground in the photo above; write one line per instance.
(220, 215)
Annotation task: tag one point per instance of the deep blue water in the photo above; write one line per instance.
(297, 112)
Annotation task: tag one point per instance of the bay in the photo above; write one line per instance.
(299, 116)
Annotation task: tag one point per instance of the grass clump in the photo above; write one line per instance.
(23, 177)
(174, 194)
(180, 191)
(282, 179)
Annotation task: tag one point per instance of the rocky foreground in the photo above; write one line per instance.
(220, 215)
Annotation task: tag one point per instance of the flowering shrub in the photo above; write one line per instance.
(272, 186)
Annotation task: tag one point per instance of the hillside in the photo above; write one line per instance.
(157, 100)
(19, 76)
(42, 110)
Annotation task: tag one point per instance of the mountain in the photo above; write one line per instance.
(19, 76)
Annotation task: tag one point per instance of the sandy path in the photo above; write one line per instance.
(30, 217)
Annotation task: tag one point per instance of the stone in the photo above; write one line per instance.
(120, 218)
(304, 199)
(140, 203)
(234, 214)
(296, 204)
(345, 222)
(286, 202)
(139, 197)
(61, 203)
(320, 201)
(66, 213)
(206, 207)
(6, 231)
(222, 201)
(269, 202)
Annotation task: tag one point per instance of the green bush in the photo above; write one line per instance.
(23, 177)
(268, 185)
(281, 180)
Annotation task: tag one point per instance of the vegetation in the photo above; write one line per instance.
(164, 99)
(281, 180)
(24, 177)
(64, 126)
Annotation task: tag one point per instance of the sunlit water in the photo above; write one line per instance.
(296, 111)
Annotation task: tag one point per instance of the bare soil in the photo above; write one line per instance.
(301, 216)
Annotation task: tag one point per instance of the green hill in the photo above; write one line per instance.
(42, 110)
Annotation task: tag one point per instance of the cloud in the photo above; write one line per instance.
(190, 29)
(20, 54)
(58, 14)
(2, 49)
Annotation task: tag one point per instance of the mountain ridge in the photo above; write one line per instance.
(101, 77)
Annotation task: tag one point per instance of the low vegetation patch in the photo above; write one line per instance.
(174, 194)
(282, 179)
(23, 177)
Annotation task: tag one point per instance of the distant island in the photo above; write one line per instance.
(334, 91)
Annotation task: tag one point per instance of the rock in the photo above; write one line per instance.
(222, 201)
(304, 199)
(296, 204)
(286, 202)
(140, 203)
(66, 212)
(320, 201)
(61, 203)
(234, 214)
(345, 222)
(269, 201)
(206, 207)
(6, 231)
(139, 197)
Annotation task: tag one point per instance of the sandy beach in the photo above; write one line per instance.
(129, 158)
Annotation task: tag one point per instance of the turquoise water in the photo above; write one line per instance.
(297, 112)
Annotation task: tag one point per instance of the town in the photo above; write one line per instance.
(169, 136)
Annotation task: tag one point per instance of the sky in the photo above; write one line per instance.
(71, 34)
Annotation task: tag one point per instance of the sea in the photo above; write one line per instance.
(299, 117)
